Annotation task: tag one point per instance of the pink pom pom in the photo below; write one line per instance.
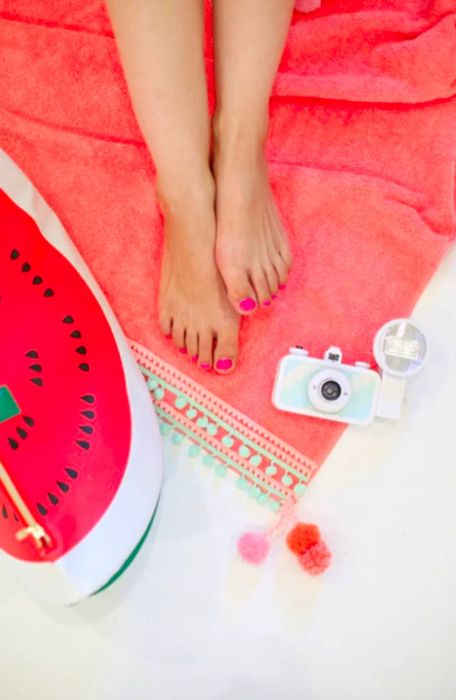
(253, 547)
(316, 559)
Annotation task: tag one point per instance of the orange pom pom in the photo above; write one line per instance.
(316, 559)
(302, 537)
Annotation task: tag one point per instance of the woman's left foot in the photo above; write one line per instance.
(252, 249)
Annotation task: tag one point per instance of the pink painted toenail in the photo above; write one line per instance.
(194, 358)
(247, 304)
(168, 337)
(273, 296)
(282, 286)
(224, 363)
(266, 303)
(183, 350)
(205, 365)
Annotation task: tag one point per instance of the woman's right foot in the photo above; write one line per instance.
(194, 307)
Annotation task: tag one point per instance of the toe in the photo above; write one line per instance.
(191, 341)
(261, 285)
(241, 293)
(205, 342)
(272, 280)
(286, 256)
(226, 349)
(179, 337)
(166, 325)
(282, 270)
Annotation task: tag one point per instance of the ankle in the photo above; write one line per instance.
(180, 191)
(235, 137)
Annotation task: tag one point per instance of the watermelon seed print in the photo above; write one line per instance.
(5, 514)
(35, 367)
(84, 444)
(41, 509)
(60, 344)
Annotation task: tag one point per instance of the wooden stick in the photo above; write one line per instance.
(32, 528)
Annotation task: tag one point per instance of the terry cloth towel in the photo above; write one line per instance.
(362, 162)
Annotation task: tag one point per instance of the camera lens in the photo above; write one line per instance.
(331, 390)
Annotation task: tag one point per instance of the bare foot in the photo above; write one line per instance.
(252, 249)
(194, 308)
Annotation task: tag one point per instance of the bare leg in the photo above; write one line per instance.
(161, 46)
(252, 249)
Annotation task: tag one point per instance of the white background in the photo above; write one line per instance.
(190, 620)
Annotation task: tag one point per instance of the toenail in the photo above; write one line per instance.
(194, 358)
(183, 350)
(273, 296)
(224, 363)
(168, 337)
(282, 286)
(205, 365)
(266, 303)
(247, 304)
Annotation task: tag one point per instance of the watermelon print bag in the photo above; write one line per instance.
(80, 459)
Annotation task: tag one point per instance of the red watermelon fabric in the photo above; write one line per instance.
(362, 150)
(61, 365)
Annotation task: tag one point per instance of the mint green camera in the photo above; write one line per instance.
(326, 388)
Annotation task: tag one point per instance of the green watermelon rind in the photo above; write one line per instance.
(128, 562)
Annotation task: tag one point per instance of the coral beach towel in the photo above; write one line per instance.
(362, 151)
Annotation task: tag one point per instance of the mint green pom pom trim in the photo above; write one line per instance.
(208, 460)
(300, 489)
(194, 450)
(177, 438)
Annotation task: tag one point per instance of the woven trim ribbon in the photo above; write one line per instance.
(269, 470)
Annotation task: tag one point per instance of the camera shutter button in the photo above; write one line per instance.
(299, 350)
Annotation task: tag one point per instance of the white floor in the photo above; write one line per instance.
(189, 620)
